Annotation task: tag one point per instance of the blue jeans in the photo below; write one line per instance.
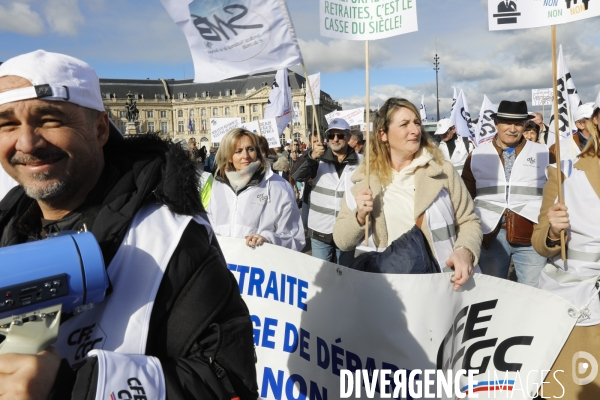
(496, 260)
(326, 251)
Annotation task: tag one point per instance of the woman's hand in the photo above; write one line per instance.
(255, 240)
(364, 202)
(559, 220)
(460, 260)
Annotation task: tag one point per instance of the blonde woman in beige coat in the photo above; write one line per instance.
(411, 184)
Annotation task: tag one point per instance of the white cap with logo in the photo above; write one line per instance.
(443, 125)
(584, 111)
(338, 123)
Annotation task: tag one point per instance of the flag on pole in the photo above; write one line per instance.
(228, 39)
(568, 101)
(190, 125)
(315, 85)
(422, 110)
(454, 96)
(462, 118)
(279, 105)
(486, 128)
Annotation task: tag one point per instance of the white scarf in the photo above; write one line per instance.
(239, 179)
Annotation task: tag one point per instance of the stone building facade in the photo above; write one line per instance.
(171, 107)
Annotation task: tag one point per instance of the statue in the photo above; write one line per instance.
(131, 110)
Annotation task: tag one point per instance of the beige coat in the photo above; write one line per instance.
(429, 181)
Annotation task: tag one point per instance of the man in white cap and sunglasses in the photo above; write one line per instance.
(330, 170)
(455, 148)
(173, 323)
(506, 177)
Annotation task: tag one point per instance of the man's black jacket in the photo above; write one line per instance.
(198, 313)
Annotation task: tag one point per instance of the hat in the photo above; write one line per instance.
(584, 111)
(443, 125)
(338, 123)
(512, 110)
(596, 103)
(55, 77)
(289, 141)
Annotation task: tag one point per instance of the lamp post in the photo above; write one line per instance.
(436, 63)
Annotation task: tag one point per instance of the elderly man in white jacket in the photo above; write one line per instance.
(455, 148)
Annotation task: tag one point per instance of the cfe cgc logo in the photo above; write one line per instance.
(135, 391)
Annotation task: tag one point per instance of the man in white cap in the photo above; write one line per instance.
(329, 169)
(455, 148)
(571, 146)
(506, 177)
(180, 328)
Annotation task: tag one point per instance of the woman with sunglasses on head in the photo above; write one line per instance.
(577, 278)
(248, 200)
(410, 186)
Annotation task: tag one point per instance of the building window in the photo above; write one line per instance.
(203, 112)
(122, 114)
(203, 124)
(163, 128)
(150, 114)
(161, 96)
(180, 113)
(123, 127)
(255, 108)
(204, 141)
(180, 127)
(243, 120)
(192, 113)
(215, 112)
(150, 126)
(242, 109)
(163, 114)
(107, 96)
(181, 96)
(296, 104)
(254, 118)
(227, 111)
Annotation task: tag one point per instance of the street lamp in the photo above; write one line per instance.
(436, 63)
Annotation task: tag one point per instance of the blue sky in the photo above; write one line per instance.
(137, 39)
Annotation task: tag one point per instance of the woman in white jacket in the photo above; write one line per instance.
(248, 200)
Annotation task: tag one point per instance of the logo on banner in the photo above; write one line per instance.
(487, 127)
(231, 32)
(584, 367)
(507, 12)
(135, 387)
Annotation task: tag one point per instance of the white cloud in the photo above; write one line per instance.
(64, 16)
(341, 55)
(19, 18)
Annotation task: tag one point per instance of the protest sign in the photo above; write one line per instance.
(220, 126)
(511, 14)
(251, 126)
(462, 117)
(486, 128)
(228, 40)
(313, 319)
(279, 105)
(370, 20)
(315, 85)
(356, 116)
(542, 97)
(268, 129)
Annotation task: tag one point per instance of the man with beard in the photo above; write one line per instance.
(506, 177)
(330, 170)
(173, 324)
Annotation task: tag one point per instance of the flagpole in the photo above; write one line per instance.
(312, 100)
(563, 254)
(367, 156)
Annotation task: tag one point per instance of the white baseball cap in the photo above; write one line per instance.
(338, 123)
(596, 103)
(55, 77)
(443, 125)
(584, 111)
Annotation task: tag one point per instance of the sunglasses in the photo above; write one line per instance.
(340, 136)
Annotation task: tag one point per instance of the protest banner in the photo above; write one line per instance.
(220, 126)
(486, 128)
(511, 14)
(356, 116)
(228, 40)
(371, 20)
(251, 126)
(423, 110)
(315, 85)
(279, 105)
(313, 319)
(462, 117)
(267, 128)
(541, 97)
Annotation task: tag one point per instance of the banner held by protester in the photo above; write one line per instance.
(355, 116)
(279, 105)
(462, 117)
(395, 322)
(315, 85)
(228, 40)
(486, 128)
(423, 110)
(220, 126)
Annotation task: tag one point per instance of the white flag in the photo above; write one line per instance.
(228, 40)
(462, 118)
(486, 128)
(422, 110)
(454, 96)
(315, 85)
(279, 105)
(568, 101)
(296, 117)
